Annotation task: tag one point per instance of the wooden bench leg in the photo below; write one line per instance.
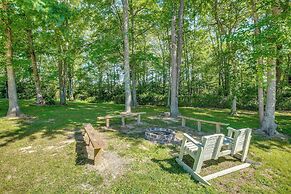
(138, 119)
(199, 126)
(96, 155)
(107, 123)
(123, 121)
(183, 122)
(217, 128)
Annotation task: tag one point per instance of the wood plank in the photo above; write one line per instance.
(108, 117)
(195, 175)
(226, 171)
(203, 121)
(95, 140)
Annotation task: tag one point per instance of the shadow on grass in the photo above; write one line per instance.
(49, 121)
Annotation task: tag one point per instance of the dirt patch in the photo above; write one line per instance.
(111, 166)
(27, 149)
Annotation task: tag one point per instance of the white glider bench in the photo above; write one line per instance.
(211, 148)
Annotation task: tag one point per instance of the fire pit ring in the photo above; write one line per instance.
(160, 135)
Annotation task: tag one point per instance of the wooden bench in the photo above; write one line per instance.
(200, 121)
(211, 148)
(126, 115)
(93, 141)
(122, 115)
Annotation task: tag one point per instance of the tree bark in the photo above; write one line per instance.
(174, 110)
(269, 126)
(62, 69)
(233, 107)
(39, 97)
(260, 68)
(180, 43)
(71, 82)
(13, 110)
(126, 58)
(133, 64)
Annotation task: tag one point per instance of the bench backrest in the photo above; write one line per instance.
(94, 137)
(211, 146)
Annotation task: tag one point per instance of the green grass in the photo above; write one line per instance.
(40, 154)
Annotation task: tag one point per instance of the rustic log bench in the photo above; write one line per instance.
(122, 115)
(93, 141)
(200, 121)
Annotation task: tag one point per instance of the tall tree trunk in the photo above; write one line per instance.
(234, 107)
(71, 82)
(269, 126)
(174, 110)
(260, 68)
(13, 110)
(179, 45)
(62, 69)
(126, 58)
(180, 42)
(39, 97)
(133, 64)
(234, 91)
(62, 82)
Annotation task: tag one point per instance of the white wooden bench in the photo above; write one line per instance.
(210, 148)
(123, 116)
(200, 121)
(93, 141)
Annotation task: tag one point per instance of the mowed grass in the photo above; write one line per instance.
(39, 154)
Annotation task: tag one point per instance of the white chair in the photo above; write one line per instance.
(210, 148)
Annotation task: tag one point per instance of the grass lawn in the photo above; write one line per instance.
(41, 154)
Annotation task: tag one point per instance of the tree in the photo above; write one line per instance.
(13, 110)
(174, 110)
(126, 58)
(259, 66)
(269, 126)
(39, 97)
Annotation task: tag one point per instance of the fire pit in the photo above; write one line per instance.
(160, 135)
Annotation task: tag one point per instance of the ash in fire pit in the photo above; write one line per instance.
(160, 135)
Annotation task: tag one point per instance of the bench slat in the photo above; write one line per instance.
(203, 121)
(95, 139)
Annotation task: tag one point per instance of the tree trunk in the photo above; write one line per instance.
(269, 126)
(126, 58)
(180, 43)
(62, 82)
(13, 110)
(62, 69)
(174, 111)
(260, 68)
(71, 82)
(233, 107)
(39, 97)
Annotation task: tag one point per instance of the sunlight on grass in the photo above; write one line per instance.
(43, 151)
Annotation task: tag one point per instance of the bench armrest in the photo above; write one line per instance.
(189, 138)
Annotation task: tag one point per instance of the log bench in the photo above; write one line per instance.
(200, 121)
(123, 116)
(93, 141)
